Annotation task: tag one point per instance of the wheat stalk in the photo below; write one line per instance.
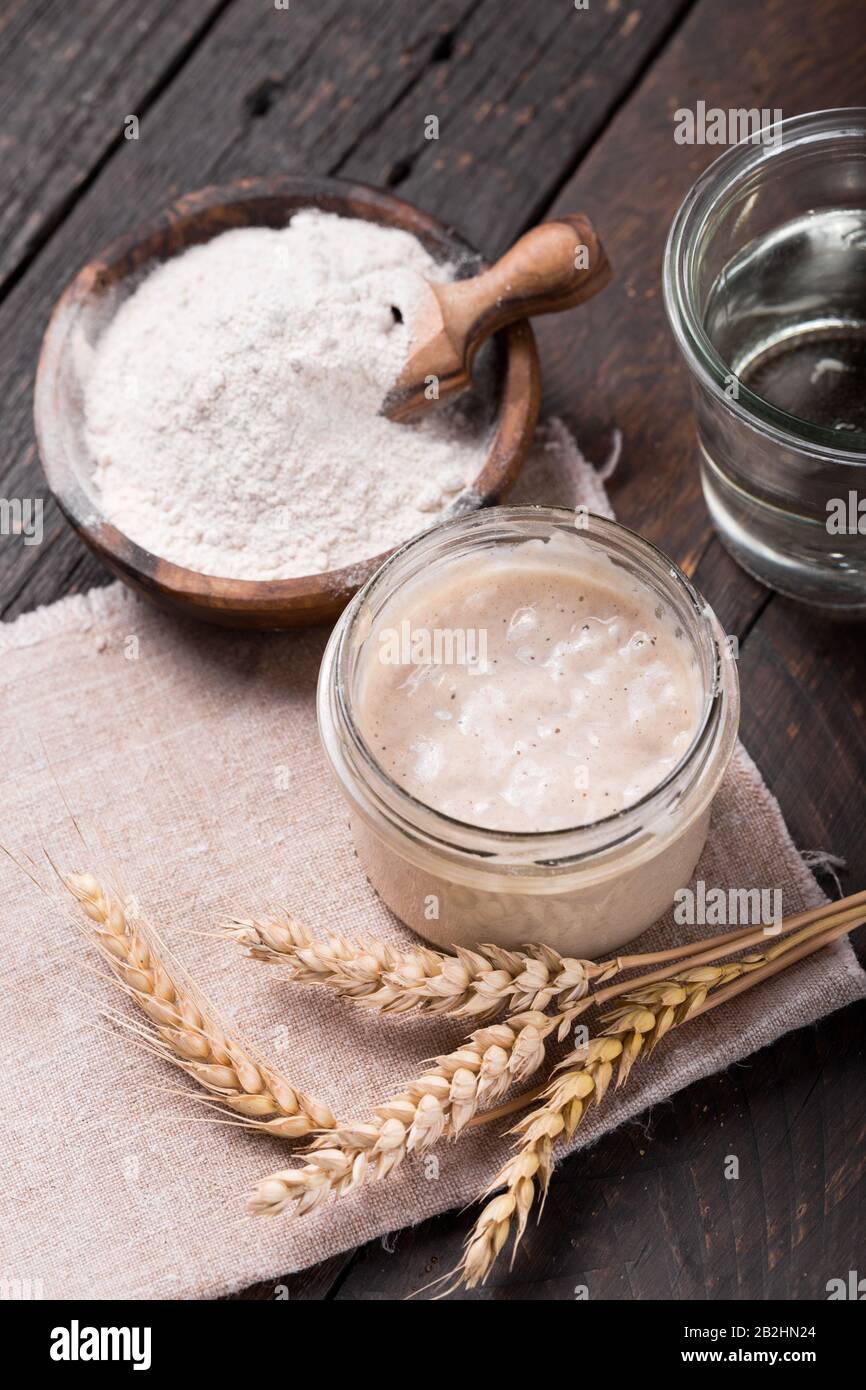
(183, 1032)
(469, 984)
(477, 983)
(635, 1027)
(440, 1102)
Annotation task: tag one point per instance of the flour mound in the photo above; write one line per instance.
(232, 408)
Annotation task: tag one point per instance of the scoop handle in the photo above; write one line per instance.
(555, 266)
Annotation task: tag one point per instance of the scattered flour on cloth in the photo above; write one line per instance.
(232, 405)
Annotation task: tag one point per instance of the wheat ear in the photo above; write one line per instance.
(184, 1032)
(469, 984)
(477, 983)
(441, 1102)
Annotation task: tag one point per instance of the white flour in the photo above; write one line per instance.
(232, 406)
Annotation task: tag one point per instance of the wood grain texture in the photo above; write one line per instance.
(522, 92)
(803, 681)
(72, 73)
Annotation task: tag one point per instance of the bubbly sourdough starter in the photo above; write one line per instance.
(582, 697)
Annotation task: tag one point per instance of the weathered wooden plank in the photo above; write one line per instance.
(72, 72)
(519, 98)
(737, 598)
(803, 681)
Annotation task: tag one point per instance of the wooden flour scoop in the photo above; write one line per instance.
(553, 267)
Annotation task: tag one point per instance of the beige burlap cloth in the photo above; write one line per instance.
(191, 757)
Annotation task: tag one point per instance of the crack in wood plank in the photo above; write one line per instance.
(38, 228)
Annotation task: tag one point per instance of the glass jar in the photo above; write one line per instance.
(765, 289)
(586, 890)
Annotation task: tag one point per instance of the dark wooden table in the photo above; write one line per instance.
(541, 106)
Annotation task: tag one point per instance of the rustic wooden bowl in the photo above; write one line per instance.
(87, 304)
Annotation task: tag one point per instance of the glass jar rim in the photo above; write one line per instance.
(567, 845)
(731, 167)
